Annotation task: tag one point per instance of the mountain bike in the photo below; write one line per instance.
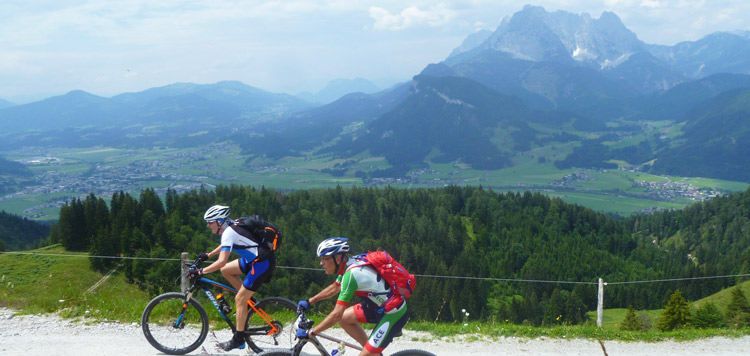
(176, 323)
(314, 339)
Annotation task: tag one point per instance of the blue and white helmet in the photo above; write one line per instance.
(216, 213)
(333, 246)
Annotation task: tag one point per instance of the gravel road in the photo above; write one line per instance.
(31, 335)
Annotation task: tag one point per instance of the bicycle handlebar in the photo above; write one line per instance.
(197, 263)
(302, 321)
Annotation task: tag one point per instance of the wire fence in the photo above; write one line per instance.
(489, 279)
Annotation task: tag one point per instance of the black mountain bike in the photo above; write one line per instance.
(176, 323)
(307, 324)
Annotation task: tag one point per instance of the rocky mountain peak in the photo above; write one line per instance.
(537, 35)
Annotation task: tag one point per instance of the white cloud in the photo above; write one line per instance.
(650, 4)
(409, 17)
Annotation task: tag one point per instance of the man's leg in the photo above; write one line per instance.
(352, 326)
(231, 272)
(240, 302)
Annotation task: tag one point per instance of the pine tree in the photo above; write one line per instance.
(738, 309)
(676, 314)
(630, 322)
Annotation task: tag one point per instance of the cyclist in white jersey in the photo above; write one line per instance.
(356, 278)
(257, 272)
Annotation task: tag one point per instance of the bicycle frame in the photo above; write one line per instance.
(205, 284)
(314, 340)
(303, 322)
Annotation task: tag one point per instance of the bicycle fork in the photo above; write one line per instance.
(178, 324)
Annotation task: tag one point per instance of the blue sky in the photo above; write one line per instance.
(49, 47)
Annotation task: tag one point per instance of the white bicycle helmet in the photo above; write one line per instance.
(216, 213)
(333, 246)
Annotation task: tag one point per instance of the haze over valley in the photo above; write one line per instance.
(564, 103)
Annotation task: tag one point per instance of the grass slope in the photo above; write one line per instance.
(612, 318)
(46, 284)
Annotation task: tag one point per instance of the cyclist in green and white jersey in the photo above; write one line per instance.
(355, 278)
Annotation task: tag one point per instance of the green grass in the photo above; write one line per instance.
(612, 318)
(46, 284)
(722, 298)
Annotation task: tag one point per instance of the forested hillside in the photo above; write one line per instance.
(452, 231)
(18, 233)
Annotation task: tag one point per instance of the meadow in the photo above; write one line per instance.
(65, 173)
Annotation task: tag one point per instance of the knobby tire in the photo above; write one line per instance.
(276, 353)
(169, 333)
(413, 353)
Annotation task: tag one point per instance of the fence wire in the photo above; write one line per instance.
(489, 279)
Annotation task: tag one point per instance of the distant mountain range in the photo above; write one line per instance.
(337, 88)
(163, 115)
(541, 77)
(5, 104)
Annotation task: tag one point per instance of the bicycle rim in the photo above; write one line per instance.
(281, 313)
(170, 331)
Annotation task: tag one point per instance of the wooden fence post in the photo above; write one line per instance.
(184, 282)
(600, 304)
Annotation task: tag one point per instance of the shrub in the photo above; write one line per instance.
(708, 316)
(645, 321)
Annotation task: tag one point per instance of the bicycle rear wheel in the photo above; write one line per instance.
(170, 330)
(281, 313)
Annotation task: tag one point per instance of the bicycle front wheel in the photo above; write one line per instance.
(173, 326)
(413, 353)
(276, 353)
(279, 313)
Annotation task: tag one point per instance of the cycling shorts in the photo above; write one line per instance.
(257, 273)
(389, 325)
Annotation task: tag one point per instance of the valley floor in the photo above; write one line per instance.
(28, 335)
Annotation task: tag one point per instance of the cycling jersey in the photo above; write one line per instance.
(256, 272)
(233, 241)
(362, 280)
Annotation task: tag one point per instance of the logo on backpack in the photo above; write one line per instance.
(266, 235)
(398, 278)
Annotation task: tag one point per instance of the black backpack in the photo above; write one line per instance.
(266, 235)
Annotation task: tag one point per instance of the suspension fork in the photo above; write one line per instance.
(188, 296)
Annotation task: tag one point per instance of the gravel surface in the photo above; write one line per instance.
(28, 335)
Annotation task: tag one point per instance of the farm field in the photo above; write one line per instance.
(63, 174)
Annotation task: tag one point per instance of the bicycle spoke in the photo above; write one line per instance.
(275, 318)
(172, 326)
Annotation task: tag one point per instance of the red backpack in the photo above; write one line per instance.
(401, 281)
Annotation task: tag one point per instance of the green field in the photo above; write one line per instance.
(608, 191)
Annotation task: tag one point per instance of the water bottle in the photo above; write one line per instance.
(223, 305)
(340, 350)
